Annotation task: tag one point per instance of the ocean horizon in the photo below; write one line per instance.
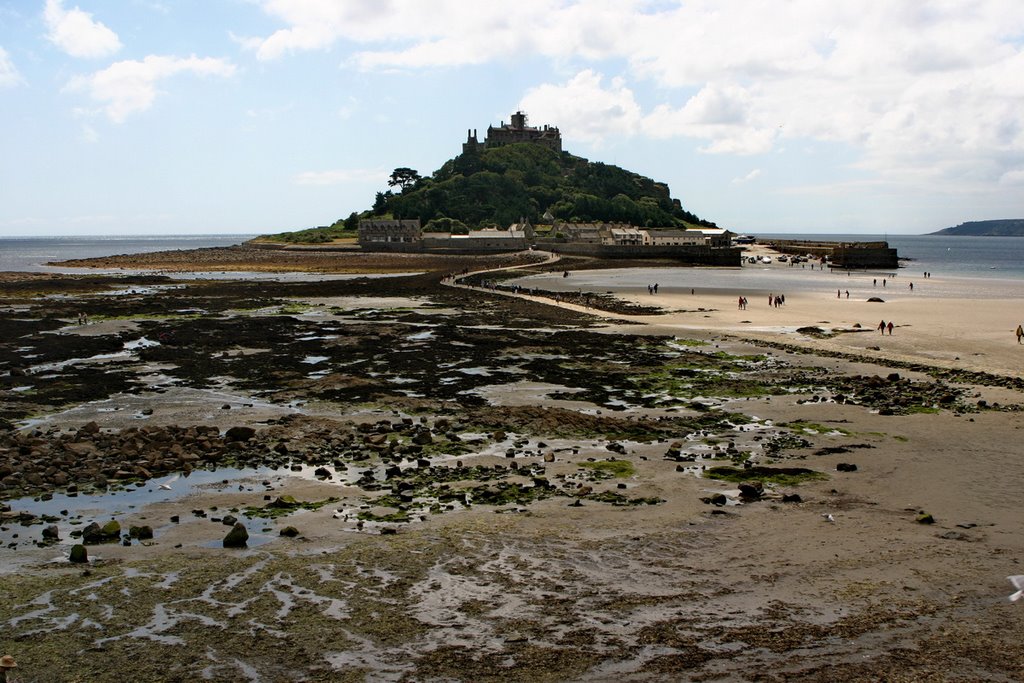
(958, 256)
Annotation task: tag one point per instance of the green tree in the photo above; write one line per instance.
(403, 177)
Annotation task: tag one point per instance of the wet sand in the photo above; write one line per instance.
(564, 587)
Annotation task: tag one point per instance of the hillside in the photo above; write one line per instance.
(499, 186)
(1012, 227)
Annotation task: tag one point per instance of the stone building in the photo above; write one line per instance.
(587, 233)
(388, 233)
(675, 238)
(516, 131)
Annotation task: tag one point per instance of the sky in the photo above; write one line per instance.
(128, 117)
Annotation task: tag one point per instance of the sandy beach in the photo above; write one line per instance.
(933, 323)
(548, 513)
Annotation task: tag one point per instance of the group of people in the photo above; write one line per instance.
(776, 300)
(883, 326)
(652, 289)
(743, 303)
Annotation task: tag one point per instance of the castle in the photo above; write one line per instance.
(516, 131)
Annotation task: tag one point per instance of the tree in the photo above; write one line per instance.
(380, 202)
(404, 178)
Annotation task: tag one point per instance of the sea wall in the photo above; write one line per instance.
(689, 254)
(841, 254)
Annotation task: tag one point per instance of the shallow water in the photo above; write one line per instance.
(779, 279)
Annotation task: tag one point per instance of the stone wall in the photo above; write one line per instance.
(841, 254)
(693, 255)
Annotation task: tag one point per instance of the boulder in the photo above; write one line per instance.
(111, 529)
(238, 537)
(290, 532)
(79, 554)
(751, 490)
(240, 434)
(51, 533)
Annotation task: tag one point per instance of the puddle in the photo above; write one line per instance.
(74, 511)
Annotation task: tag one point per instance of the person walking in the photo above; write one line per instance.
(881, 327)
(1020, 332)
(7, 663)
(889, 326)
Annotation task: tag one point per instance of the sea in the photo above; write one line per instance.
(989, 257)
(34, 253)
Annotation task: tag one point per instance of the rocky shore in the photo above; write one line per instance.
(471, 483)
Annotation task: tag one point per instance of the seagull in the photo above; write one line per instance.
(166, 486)
(1018, 583)
(828, 517)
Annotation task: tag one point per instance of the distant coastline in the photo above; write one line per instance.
(1010, 227)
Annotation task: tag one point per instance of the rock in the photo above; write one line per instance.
(751, 490)
(422, 437)
(229, 520)
(846, 467)
(792, 498)
(925, 518)
(238, 537)
(78, 554)
(549, 456)
(51, 533)
(143, 533)
(240, 434)
(718, 499)
(290, 532)
(111, 529)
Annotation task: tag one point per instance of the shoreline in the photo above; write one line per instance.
(539, 562)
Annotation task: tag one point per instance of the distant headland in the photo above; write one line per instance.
(1010, 227)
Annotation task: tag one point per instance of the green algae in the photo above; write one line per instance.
(783, 476)
(607, 469)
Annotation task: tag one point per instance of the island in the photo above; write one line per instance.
(1009, 227)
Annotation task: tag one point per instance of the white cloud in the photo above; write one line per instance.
(130, 87)
(584, 109)
(76, 33)
(1014, 177)
(915, 90)
(341, 176)
(9, 75)
(747, 178)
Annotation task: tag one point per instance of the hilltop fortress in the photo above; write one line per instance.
(516, 131)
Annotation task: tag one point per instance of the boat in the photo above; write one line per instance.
(743, 239)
